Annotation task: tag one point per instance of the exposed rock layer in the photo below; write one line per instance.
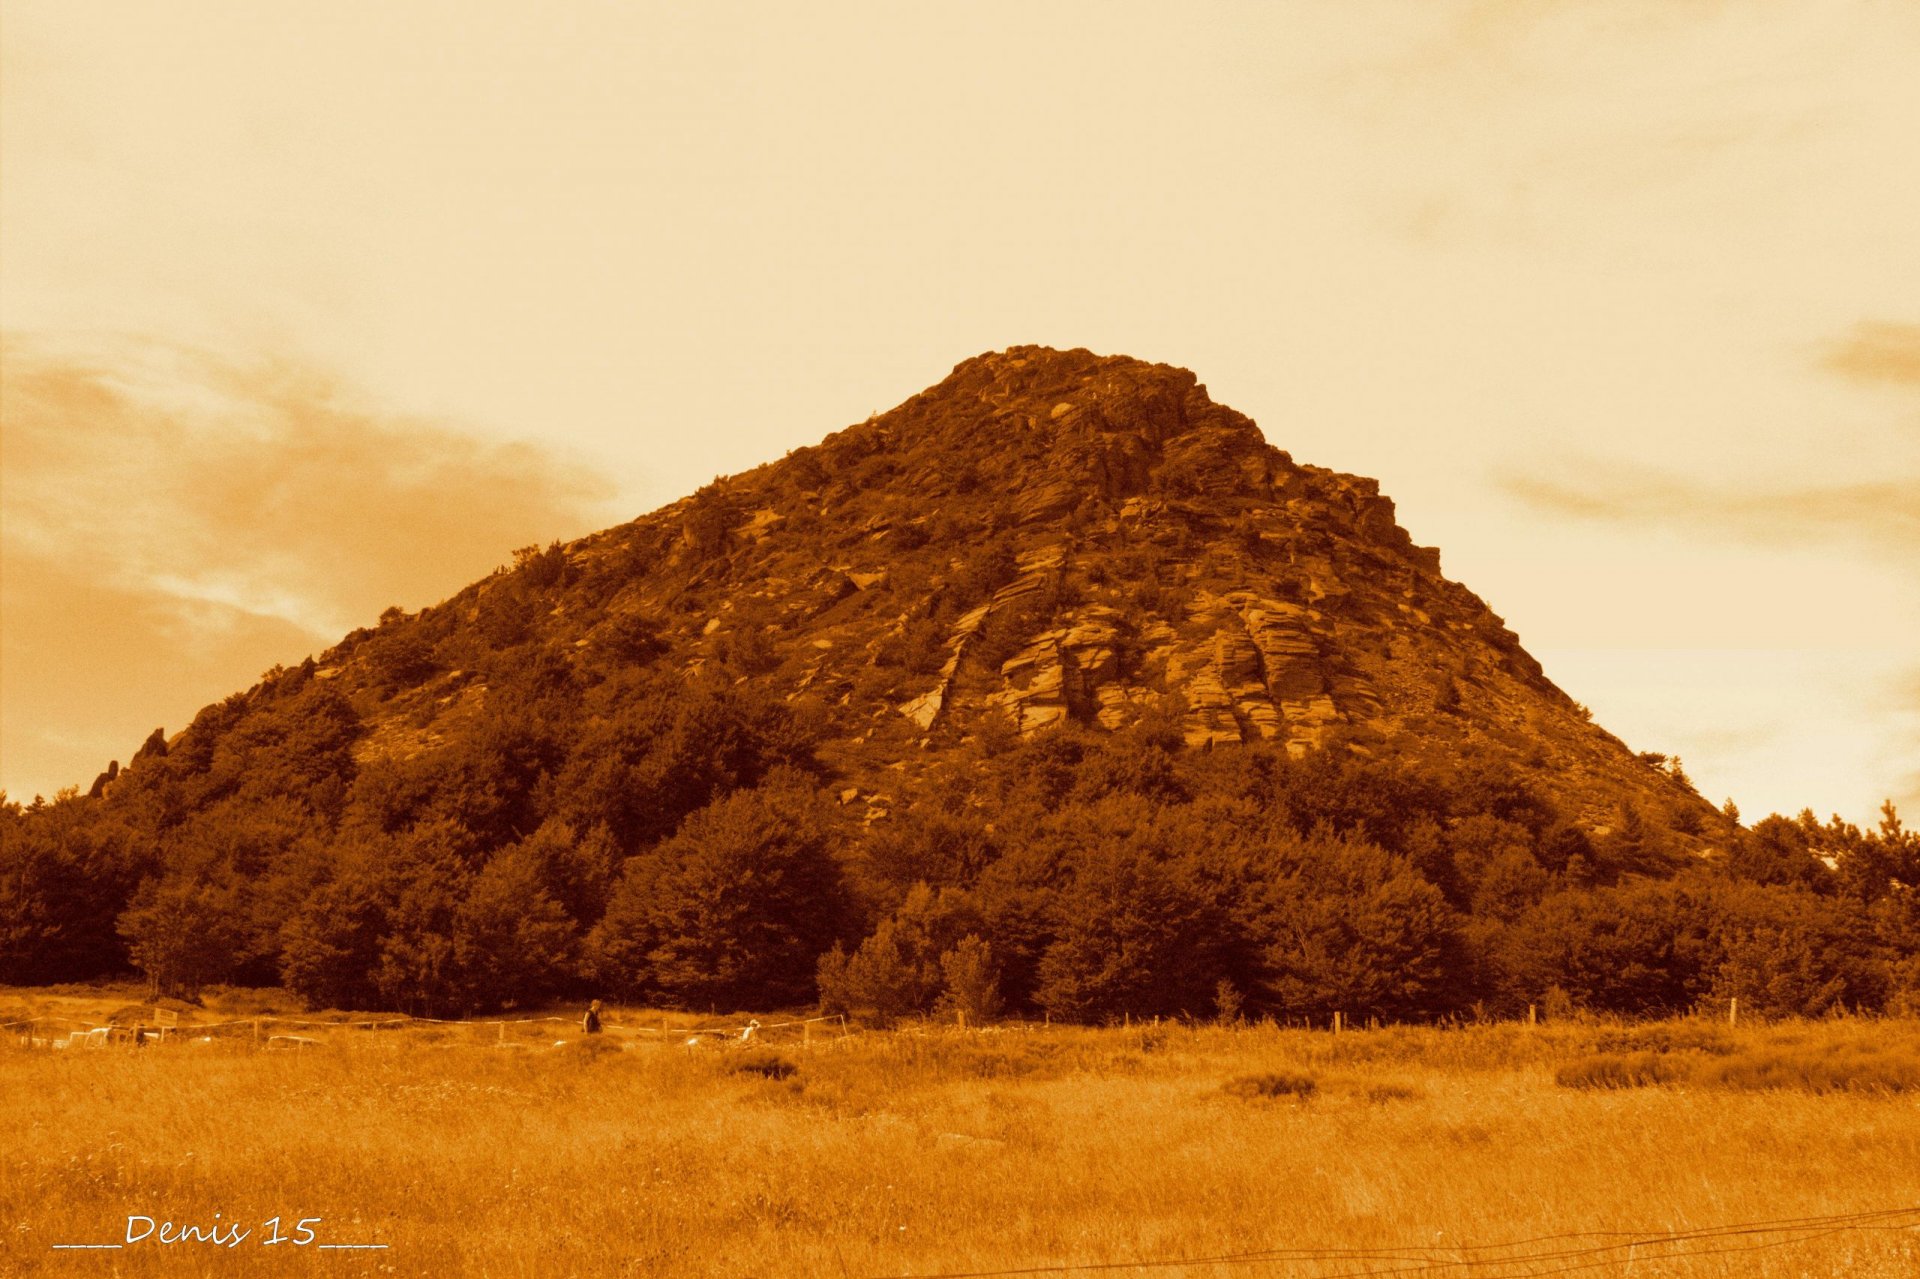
(1052, 538)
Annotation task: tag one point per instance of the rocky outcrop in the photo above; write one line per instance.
(925, 710)
(1163, 558)
(1062, 673)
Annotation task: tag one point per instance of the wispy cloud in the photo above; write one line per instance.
(176, 523)
(260, 488)
(1880, 515)
(1877, 351)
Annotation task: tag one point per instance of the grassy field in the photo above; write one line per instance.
(936, 1152)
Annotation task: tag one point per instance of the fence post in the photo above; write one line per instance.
(1533, 1015)
(256, 1030)
(1733, 1011)
(1338, 1018)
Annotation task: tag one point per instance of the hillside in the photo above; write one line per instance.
(1042, 537)
(1059, 659)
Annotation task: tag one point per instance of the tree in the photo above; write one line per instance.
(1135, 932)
(1778, 851)
(879, 979)
(1869, 866)
(972, 990)
(540, 569)
(425, 874)
(331, 945)
(181, 934)
(1344, 926)
(897, 970)
(929, 847)
(1637, 949)
(513, 943)
(1787, 951)
(735, 909)
(1509, 885)
(65, 872)
(576, 869)
(399, 659)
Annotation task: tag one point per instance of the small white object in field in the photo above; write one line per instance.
(747, 1034)
(694, 1042)
(559, 1043)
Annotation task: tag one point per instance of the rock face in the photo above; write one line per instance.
(1051, 539)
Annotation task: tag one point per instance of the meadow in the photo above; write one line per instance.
(1488, 1150)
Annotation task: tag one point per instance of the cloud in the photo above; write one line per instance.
(177, 523)
(1877, 351)
(1880, 515)
(1811, 683)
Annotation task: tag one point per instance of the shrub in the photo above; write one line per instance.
(1619, 1070)
(592, 1048)
(765, 1064)
(1271, 1085)
(1227, 1002)
(1668, 1037)
(1817, 1068)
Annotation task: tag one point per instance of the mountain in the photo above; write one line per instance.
(1044, 537)
(1056, 649)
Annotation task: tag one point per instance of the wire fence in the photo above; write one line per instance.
(1551, 1254)
(59, 1031)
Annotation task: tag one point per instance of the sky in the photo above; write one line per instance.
(311, 309)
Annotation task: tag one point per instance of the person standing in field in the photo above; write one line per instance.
(590, 1024)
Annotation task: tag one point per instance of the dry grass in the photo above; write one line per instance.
(931, 1152)
(1785, 1061)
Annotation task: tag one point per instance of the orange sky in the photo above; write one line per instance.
(310, 309)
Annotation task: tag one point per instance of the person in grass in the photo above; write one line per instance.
(590, 1024)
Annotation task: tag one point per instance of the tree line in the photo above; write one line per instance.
(619, 830)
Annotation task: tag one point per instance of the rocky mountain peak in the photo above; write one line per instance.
(1045, 540)
(1051, 538)
(1058, 426)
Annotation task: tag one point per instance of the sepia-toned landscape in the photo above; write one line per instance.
(1054, 695)
(1298, 658)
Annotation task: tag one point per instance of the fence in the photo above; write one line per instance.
(71, 1032)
